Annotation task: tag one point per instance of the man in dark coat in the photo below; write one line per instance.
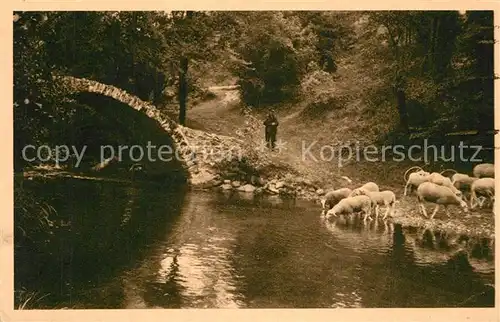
(271, 124)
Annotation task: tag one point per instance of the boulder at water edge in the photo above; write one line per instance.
(226, 186)
(247, 188)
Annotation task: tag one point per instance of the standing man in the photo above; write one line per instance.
(271, 124)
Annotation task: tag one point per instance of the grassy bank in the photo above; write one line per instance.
(225, 115)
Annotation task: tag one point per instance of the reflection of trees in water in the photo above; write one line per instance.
(110, 226)
(166, 290)
(284, 260)
(427, 269)
(190, 266)
(425, 261)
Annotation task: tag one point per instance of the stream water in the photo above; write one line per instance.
(139, 246)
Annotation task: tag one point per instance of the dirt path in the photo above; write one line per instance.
(223, 115)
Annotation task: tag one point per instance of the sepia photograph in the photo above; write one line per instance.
(253, 159)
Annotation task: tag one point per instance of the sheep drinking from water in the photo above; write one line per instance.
(384, 198)
(440, 195)
(352, 205)
(484, 170)
(333, 197)
(484, 187)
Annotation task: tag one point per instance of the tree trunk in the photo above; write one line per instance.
(182, 90)
(401, 102)
(183, 68)
(434, 34)
(403, 114)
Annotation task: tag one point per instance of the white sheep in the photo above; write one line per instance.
(441, 180)
(440, 195)
(333, 197)
(352, 205)
(484, 170)
(384, 198)
(414, 179)
(369, 186)
(462, 181)
(484, 187)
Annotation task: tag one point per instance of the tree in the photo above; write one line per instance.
(275, 49)
(418, 48)
(333, 31)
(474, 84)
(36, 97)
(119, 48)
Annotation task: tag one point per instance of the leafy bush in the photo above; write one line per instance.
(274, 75)
(274, 59)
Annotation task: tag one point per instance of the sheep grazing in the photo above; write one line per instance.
(369, 186)
(484, 170)
(462, 182)
(333, 197)
(484, 187)
(441, 180)
(384, 198)
(352, 205)
(414, 179)
(440, 195)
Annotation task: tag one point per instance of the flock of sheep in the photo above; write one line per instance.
(430, 187)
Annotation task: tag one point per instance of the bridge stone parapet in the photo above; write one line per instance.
(198, 151)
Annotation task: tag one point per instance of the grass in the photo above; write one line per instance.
(26, 300)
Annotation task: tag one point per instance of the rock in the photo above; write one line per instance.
(226, 186)
(236, 184)
(311, 189)
(231, 174)
(307, 182)
(254, 180)
(258, 190)
(272, 188)
(280, 184)
(216, 183)
(247, 188)
(227, 181)
(261, 181)
(320, 192)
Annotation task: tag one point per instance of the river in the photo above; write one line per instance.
(142, 246)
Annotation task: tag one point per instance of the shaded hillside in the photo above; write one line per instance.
(353, 106)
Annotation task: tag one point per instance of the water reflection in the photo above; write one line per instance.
(137, 247)
(359, 236)
(112, 226)
(410, 270)
(192, 267)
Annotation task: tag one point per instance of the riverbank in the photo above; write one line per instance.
(477, 224)
(119, 240)
(470, 237)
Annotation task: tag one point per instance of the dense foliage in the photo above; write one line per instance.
(434, 68)
(437, 66)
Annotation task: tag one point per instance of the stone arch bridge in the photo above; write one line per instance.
(193, 146)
